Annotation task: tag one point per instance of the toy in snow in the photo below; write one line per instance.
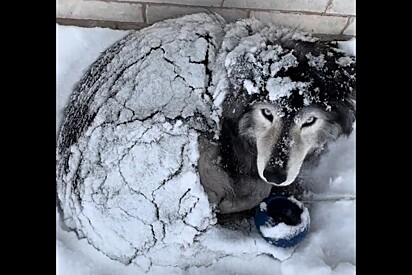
(282, 221)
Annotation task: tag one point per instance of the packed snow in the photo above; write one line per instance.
(168, 226)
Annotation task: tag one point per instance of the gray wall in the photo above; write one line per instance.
(335, 17)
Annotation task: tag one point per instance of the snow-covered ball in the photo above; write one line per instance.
(282, 221)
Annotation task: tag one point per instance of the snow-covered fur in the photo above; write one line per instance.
(184, 97)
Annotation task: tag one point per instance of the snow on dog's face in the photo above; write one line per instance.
(283, 143)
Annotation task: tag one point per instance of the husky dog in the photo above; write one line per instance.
(267, 136)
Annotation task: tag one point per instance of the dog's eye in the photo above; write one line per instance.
(267, 114)
(310, 121)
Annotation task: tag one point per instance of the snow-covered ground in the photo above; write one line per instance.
(329, 247)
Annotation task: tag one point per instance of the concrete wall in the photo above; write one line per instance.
(332, 17)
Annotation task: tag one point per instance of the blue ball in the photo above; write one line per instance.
(282, 221)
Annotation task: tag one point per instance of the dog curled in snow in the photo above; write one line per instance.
(289, 96)
(191, 116)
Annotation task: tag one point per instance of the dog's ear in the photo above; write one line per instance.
(345, 87)
(351, 118)
(238, 102)
(346, 114)
(350, 100)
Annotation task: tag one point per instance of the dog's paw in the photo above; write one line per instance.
(226, 206)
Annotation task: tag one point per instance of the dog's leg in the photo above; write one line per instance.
(229, 196)
(215, 181)
(249, 193)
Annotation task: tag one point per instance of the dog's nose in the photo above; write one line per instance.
(274, 175)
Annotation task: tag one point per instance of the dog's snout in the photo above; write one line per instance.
(274, 175)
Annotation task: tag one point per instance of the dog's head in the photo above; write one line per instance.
(284, 143)
(288, 99)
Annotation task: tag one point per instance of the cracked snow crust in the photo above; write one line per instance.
(127, 150)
